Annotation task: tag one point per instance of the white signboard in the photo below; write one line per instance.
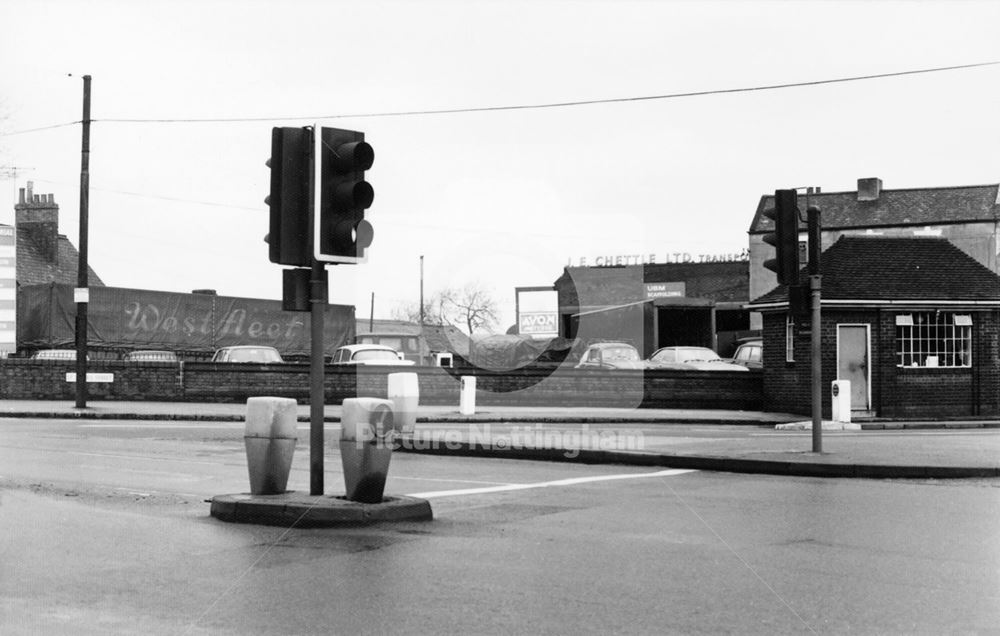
(537, 312)
(92, 377)
(532, 323)
(665, 290)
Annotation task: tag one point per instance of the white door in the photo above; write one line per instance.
(853, 352)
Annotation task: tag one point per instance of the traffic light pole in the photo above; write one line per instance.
(814, 227)
(817, 367)
(316, 397)
(317, 300)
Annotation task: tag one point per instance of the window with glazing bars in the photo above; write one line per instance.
(934, 339)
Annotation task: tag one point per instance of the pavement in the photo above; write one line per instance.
(731, 441)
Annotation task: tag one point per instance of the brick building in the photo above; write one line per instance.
(968, 216)
(43, 254)
(656, 305)
(913, 323)
(417, 342)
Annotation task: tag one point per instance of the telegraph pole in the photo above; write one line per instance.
(82, 293)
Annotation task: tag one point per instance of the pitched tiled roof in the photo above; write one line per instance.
(446, 338)
(920, 206)
(874, 269)
(33, 268)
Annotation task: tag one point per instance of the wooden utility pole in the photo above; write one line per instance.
(82, 293)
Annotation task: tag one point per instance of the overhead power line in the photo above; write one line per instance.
(40, 128)
(160, 197)
(563, 104)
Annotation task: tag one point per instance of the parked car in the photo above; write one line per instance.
(56, 354)
(690, 358)
(610, 355)
(370, 354)
(150, 356)
(750, 354)
(247, 353)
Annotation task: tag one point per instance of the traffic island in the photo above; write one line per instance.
(301, 510)
(368, 433)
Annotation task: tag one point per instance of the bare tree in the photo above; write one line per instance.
(433, 314)
(473, 306)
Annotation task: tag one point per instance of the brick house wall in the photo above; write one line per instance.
(896, 392)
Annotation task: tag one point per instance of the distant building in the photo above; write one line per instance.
(656, 304)
(43, 254)
(417, 342)
(968, 216)
(912, 323)
(122, 320)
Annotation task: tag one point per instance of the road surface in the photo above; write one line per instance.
(104, 529)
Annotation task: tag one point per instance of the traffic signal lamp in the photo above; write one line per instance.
(288, 237)
(340, 232)
(785, 237)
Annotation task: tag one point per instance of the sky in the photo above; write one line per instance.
(498, 198)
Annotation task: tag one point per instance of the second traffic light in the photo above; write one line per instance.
(288, 201)
(785, 237)
(340, 232)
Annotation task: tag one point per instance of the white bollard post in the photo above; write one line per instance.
(840, 401)
(270, 434)
(467, 397)
(366, 431)
(404, 393)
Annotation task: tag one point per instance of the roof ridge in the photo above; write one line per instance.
(884, 190)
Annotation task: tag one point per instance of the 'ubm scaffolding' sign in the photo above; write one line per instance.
(8, 291)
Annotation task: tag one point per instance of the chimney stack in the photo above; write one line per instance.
(36, 217)
(869, 189)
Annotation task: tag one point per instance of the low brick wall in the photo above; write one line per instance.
(206, 381)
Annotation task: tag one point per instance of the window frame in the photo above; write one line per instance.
(933, 339)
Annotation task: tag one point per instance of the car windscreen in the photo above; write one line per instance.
(621, 353)
(367, 355)
(697, 355)
(254, 355)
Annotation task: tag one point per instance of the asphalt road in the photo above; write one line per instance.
(104, 529)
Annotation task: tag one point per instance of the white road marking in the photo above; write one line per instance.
(195, 426)
(547, 484)
(455, 481)
(153, 425)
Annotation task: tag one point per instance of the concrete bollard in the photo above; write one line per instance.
(467, 397)
(367, 429)
(270, 435)
(404, 393)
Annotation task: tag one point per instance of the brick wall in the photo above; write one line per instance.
(895, 392)
(205, 381)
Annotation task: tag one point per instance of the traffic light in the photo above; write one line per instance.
(785, 237)
(340, 232)
(288, 237)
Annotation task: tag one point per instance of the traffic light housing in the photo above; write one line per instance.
(288, 235)
(785, 237)
(340, 232)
